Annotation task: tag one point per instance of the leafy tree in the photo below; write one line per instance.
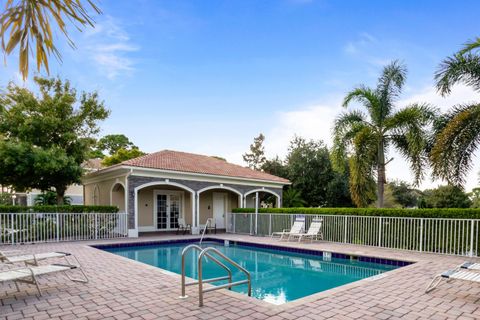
(256, 157)
(28, 25)
(458, 131)
(404, 194)
(276, 167)
(6, 199)
(448, 196)
(338, 193)
(367, 138)
(113, 142)
(292, 199)
(475, 198)
(46, 137)
(122, 155)
(310, 170)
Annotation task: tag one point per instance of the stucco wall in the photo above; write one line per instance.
(104, 187)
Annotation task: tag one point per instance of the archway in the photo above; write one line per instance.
(117, 196)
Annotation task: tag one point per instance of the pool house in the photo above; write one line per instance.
(161, 189)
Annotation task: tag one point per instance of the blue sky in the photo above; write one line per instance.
(207, 76)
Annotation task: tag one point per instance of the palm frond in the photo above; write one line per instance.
(470, 46)
(390, 85)
(27, 25)
(460, 68)
(455, 145)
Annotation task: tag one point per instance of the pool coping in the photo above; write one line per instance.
(408, 263)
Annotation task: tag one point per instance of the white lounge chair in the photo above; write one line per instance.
(31, 258)
(297, 227)
(183, 226)
(29, 274)
(467, 272)
(314, 231)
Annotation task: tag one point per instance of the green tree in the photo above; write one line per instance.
(46, 136)
(475, 198)
(458, 131)
(122, 155)
(310, 170)
(50, 198)
(276, 167)
(256, 157)
(29, 25)
(113, 142)
(338, 193)
(448, 196)
(292, 198)
(404, 193)
(367, 138)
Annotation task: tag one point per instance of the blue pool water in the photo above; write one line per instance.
(277, 276)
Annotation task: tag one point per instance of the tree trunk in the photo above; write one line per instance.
(380, 174)
(60, 194)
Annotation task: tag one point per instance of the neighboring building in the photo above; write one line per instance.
(158, 189)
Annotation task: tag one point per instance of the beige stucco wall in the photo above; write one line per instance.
(104, 187)
(146, 205)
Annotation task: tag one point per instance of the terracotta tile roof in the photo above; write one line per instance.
(189, 162)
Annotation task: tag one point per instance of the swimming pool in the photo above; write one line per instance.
(278, 276)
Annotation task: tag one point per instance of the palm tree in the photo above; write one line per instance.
(292, 198)
(365, 138)
(27, 24)
(458, 131)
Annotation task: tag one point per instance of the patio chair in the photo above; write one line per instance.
(29, 274)
(184, 227)
(314, 231)
(467, 271)
(297, 227)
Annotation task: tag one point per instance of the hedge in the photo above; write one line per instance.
(62, 209)
(416, 213)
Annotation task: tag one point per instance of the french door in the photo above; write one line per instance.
(168, 208)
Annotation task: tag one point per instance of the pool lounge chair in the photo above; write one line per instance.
(29, 274)
(467, 271)
(297, 227)
(184, 227)
(32, 258)
(313, 233)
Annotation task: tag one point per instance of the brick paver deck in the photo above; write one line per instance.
(120, 288)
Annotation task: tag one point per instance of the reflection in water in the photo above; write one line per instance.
(277, 277)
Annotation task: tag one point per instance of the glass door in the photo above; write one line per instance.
(168, 210)
(162, 211)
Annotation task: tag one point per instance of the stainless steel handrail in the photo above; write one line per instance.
(205, 252)
(205, 229)
(198, 248)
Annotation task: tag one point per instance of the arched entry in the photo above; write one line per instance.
(250, 198)
(159, 205)
(215, 201)
(117, 196)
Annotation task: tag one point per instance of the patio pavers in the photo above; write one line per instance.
(120, 288)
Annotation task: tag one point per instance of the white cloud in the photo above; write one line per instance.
(108, 45)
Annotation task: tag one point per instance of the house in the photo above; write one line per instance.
(159, 188)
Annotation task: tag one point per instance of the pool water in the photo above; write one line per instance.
(277, 276)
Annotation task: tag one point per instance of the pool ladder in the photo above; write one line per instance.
(207, 252)
(209, 221)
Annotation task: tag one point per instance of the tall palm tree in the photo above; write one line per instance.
(458, 131)
(365, 138)
(27, 24)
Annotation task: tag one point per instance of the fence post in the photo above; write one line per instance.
(270, 224)
(380, 223)
(12, 228)
(96, 226)
(58, 226)
(421, 234)
(471, 237)
(234, 218)
(345, 229)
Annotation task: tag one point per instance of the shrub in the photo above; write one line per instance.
(416, 213)
(63, 209)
